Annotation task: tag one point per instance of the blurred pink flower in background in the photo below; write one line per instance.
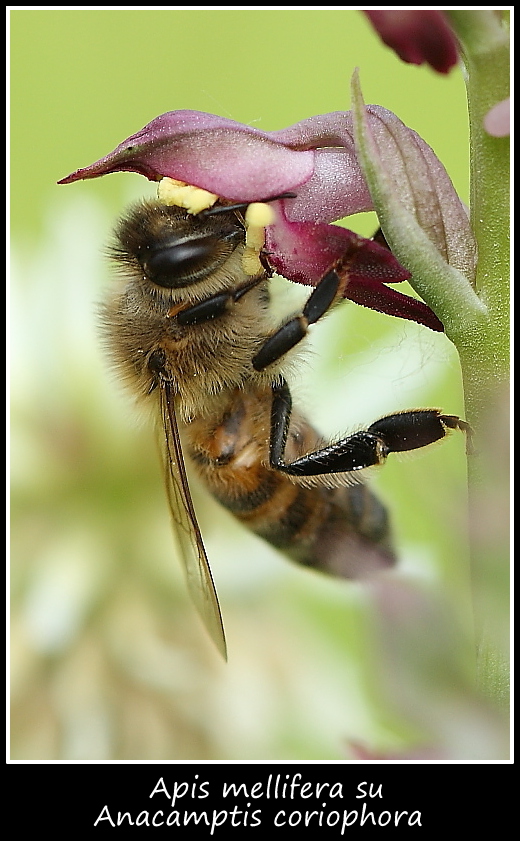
(417, 37)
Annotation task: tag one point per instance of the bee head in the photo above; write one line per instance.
(173, 248)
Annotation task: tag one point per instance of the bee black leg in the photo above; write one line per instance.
(353, 453)
(417, 428)
(215, 305)
(295, 330)
(403, 431)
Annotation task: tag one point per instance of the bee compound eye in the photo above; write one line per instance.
(180, 263)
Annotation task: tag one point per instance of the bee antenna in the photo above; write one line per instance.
(224, 208)
(288, 195)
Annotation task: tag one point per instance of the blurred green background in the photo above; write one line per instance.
(109, 659)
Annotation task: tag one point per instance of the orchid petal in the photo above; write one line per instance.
(420, 213)
(377, 296)
(337, 187)
(233, 160)
(424, 189)
(315, 157)
(303, 252)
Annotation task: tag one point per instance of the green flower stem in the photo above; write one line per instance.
(474, 311)
(484, 352)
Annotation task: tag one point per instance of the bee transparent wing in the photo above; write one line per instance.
(198, 573)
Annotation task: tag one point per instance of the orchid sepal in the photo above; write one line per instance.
(427, 227)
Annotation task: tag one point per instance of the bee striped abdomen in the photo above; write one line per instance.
(344, 531)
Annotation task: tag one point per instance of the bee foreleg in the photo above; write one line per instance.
(295, 330)
(216, 305)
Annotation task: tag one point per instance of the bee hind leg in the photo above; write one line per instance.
(400, 432)
(341, 529)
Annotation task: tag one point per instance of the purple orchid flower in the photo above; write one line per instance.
(417, 36)
(314, 159)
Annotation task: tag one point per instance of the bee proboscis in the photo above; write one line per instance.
(190, 330)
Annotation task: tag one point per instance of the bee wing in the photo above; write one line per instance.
(198, 573)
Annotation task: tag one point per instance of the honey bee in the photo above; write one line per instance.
(193, 333)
